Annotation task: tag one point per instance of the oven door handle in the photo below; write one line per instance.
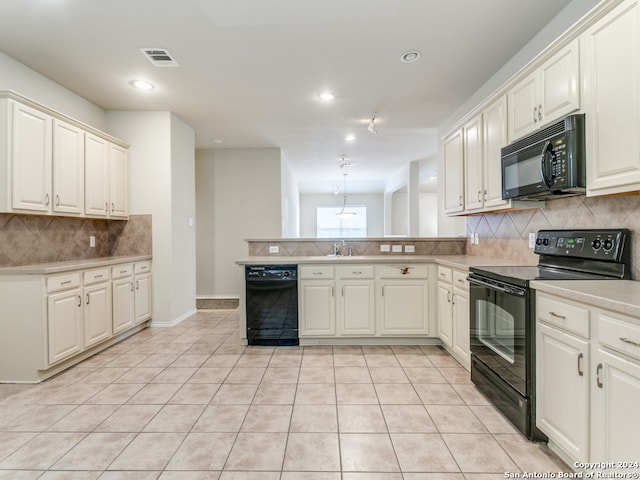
(509, 290)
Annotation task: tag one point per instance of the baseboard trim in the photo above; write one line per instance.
(174, 322)
(208, 303)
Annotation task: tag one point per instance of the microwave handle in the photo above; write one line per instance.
(547, 156)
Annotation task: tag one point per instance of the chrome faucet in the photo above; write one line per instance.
(337, 247)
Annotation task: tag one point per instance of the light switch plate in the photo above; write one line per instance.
(274, 249)
(396, 248)
(532, 240)
(476, 239)
(92, 241)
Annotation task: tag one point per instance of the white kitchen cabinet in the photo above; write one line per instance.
(473, 165)
(549, 93)
(96, 167)
(317, 302)
(616, 389)
(454, 173)
(64, 323)
(142, 294)
(494, 137)
(611, 90)
(356, 300)
(123, 297)
(97, 306)
(404, 300)
(118, 182)
(453, 314)
(68, 168)
(26, 160)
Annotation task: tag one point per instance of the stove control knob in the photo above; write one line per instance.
(608, 244)
(545, 242)
(596, 244)
(538, 241)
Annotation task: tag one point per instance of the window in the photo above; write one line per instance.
(330, 225)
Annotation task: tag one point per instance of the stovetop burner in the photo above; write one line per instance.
(570, 255)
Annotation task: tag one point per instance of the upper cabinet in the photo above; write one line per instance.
(473, 164)
(550, 92)
(50, 164)
(453, 173)
(611, 89)
(494, 137)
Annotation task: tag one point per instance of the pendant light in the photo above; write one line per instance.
(344, 213)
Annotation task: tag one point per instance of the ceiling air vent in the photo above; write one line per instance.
(159, 57)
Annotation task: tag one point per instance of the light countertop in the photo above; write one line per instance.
(622, 296)
(66, 266)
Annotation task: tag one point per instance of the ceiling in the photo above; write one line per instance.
(250, 71)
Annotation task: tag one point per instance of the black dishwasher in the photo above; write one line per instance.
(272, 304)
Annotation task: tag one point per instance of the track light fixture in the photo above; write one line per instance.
(371, 126)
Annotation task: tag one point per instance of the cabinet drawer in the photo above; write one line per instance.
(142, 267)
(124, 270)
(564, 314)
(444, 274)
(95, 276)
(460, 279)
(56, 283)
(355, 271)
(619, 335)
(309, 272)
(402, 271)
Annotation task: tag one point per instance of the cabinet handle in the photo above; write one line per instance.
(448, 297)
(122, 272)
(106, 207)
(57, 200)
(87, 299)
(46, 199)
(630, 342)
(98, 276)
(66, 282)
(131, 283)
(79, 301)
(317, 273)
(453, 299)
(137, 285)
(540, 112)
(479, 195)
(485, 195)
(461, 281)
(383, 290)
(557, 315)
(580, 371)
(404, 270)
(460, 200)
(113, 207)
(342, 292)
(356, 273)
(535, 114)
(332, 292)
(598, 370)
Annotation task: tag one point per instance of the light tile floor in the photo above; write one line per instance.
(190, 403)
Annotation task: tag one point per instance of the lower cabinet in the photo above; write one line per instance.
(588, 381)
(51, 321)
(363, 301)
(453, 313)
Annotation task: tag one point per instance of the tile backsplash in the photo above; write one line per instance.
(506, 235)
(29, 239)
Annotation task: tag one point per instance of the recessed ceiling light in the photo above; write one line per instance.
(217, 140)
(410, 56)
(326, 96)
(142, 84)
(350, 138)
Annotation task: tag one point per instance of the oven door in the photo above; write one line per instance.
(499, 339)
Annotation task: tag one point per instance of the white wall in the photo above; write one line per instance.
(290, 203)
(29, 83)
(406, 179)
(428, 215)
(310, 202)
(162, 147)
(238, 198)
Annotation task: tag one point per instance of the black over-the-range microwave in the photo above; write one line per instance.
(548, 163)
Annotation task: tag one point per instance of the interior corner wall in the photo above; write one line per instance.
(290, 203)
(238, 198)
(153, 191)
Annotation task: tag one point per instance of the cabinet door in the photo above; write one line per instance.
(118, 182)
(494, 130)
(142, 298)
(562, 379)
(559, 84)
(522, 101)
(30, 159)
(616, 418)
(68, 168)
(97, 313)
(445, 314)
(453, 174)
(122, 304)
(611, 58)
(473, 165)
(96, 171)
(64, 320)
(317, 308)
(404, 307)
(461, 334)
(356, 310)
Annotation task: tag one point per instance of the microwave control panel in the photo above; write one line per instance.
(590, 244)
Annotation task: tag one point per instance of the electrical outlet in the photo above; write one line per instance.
(92, 241)
(409, 249)
(274, 249)
(385, 248)
(476, 238)
(396, 248)
(532, 240)
(472, 239)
